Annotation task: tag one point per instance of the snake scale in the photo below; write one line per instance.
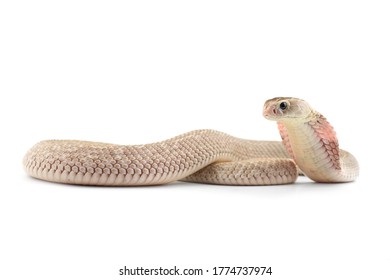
(309, 145)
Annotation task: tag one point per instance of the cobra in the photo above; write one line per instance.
(309, 145)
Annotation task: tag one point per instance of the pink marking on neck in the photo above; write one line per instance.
(325, 132)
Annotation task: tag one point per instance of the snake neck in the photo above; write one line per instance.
(313, 145)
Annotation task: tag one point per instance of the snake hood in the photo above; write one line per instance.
(311, 140)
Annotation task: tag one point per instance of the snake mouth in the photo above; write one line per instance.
(271, 113)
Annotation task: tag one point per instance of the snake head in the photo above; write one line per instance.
(286, 108)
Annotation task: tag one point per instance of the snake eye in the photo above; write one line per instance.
(283, 106)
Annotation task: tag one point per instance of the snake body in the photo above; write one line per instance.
(204, 156)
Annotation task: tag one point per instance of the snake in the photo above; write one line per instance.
(309, 147)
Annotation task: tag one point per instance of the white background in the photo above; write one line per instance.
(134, 72)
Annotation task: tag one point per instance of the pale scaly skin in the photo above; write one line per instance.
(311, 141)
(204, 156)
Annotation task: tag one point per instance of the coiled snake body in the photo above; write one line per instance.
(206, 156)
